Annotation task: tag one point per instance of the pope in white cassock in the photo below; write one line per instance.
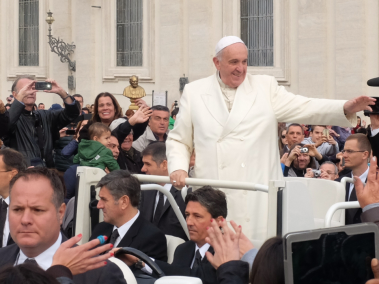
(231, 119)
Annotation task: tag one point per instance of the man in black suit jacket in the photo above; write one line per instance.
(356, 153)
(125, 227)
(203, 205)
(11, 162)
(35, 216)
(154, 206)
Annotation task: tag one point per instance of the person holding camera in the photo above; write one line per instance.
(325, 144)
(328, 170)
(300, 158)
(32, 132)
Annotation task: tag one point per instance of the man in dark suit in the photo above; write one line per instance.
(356, 153)
(202, 206)
(11, 162)
(35, 216)
(123, 224)
(154, 206)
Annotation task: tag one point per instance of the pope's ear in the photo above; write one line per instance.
(216, 63)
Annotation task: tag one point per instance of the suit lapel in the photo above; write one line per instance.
(149, 203)
(131, 233)
(214, 102)
(167, 204)
(245, 97)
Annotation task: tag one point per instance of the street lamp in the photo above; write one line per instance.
(58, 46)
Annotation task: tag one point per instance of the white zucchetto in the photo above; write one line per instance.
(226, 41)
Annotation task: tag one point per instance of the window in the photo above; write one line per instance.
(257, 31)
(129, 32)
(28, 33)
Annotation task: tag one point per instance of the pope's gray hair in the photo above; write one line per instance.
(219, 54)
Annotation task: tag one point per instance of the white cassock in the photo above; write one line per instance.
(242, 145)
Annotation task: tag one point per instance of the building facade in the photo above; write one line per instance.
(316, 48)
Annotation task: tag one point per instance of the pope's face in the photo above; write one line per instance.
(134, 82)
(233, 64)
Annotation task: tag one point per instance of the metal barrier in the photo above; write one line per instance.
(172, 201)
(338, 206)
(211, 182)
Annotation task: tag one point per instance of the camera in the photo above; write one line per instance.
(176, 104)
(316, 173)
(304, 150)
(42, 86)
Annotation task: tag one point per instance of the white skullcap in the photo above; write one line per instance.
(226, 41)
(116, 123)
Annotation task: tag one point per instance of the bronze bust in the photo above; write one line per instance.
(133, 92)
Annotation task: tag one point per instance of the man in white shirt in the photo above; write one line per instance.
(123, 224)
(356, 154)
(11, 162)
(35, 215)
(154, 205)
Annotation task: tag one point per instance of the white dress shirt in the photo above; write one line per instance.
(45, 259)
(6, 225)
(124, 229)
(363, 178)
(202, 251)
(374, 132)
(167, 186)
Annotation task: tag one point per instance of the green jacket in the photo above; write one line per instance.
(94, 154)
(171, 123)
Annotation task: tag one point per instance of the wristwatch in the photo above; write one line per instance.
(139, 264)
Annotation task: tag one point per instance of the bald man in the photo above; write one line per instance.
(232, 119)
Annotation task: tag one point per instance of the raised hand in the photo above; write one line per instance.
(368, 194)
(358, 104)
(244, 243)
(80, 259)
(27, 90)
(225, 244)
(141, 115)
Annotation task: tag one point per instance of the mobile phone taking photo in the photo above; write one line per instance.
(41, 86)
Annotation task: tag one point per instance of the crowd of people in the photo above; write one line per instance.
(42, 149)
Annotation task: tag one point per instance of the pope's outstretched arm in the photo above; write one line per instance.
(179, 144)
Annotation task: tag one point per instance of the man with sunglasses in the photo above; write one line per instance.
(356, 154)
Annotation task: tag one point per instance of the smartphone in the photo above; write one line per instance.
(70, 131)
(343, 162)
(325, 132)
(42, 86)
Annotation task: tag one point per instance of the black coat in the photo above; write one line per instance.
(132, 164)
(108, 274)
(21, 129)
(236, 272)
(168, 222)
(142, 236)
(374, 141)
(352, 216)
(4, 122)
(181, 264)
(62, 163)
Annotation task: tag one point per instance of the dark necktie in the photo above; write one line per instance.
(31, 261)
(114, 237)
(197, 261)
(353, 195)
(159, 209)
(3, 217)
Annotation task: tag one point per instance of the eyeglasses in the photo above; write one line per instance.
(350, 151)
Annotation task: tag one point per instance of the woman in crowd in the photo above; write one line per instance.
(107, 109)
(282, 141)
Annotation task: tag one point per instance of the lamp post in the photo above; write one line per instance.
(58, 46)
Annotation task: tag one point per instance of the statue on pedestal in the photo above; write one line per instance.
(133, 92)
